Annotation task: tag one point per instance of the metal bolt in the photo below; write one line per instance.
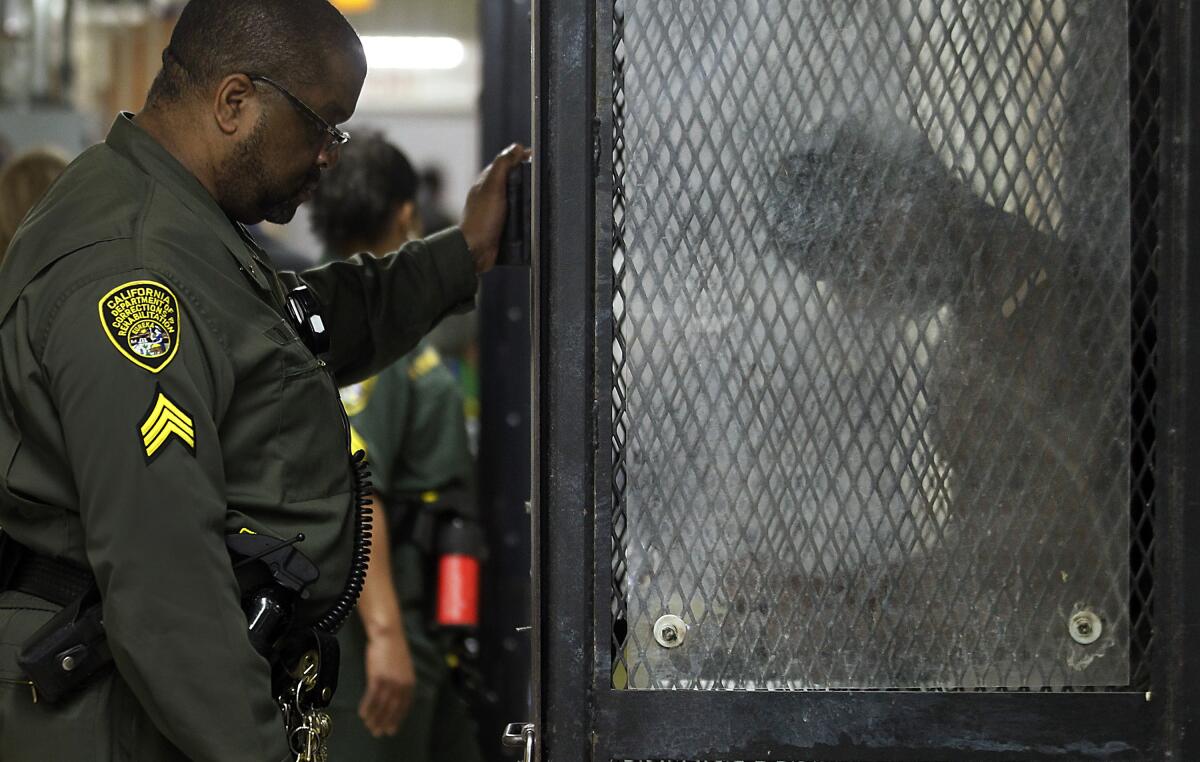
(68, 663)
(1085, 627)
(670, 631)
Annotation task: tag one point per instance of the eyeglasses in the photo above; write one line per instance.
(334, 138)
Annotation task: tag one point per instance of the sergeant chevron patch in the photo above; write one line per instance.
(164, 421)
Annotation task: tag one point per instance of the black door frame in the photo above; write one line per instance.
(504, 396)
(579, 716)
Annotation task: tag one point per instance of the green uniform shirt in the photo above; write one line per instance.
(412, 423)
(155, 398)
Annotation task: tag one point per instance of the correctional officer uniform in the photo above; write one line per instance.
(155, 398)
(410, 421)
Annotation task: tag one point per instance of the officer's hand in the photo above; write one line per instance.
(391, 681)
(485, 210)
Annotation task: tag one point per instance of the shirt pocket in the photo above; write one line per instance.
(311, 436)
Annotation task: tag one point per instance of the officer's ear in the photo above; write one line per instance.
(236, 105)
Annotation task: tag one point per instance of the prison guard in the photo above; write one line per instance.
(154, 399)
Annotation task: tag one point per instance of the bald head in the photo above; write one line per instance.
(250, 96)
(300, 42)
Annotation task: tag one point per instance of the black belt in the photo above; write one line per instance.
(50, 579)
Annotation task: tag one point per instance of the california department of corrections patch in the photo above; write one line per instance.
(141, 319)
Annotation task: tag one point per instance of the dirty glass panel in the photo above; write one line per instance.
(872, 367)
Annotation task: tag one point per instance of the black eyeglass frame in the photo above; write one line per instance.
(336, 138)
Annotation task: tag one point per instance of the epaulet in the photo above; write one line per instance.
(423, 363)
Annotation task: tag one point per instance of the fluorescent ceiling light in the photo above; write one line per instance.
(413, 52)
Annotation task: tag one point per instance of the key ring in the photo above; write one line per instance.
(308, 740)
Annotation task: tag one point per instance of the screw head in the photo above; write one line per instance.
(1085, 627)
(670, 631)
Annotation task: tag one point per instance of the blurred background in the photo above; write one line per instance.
(449, 84)
(68, 66)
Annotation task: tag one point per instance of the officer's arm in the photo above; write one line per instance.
(376, 309)
(139, 398)
(391, 678)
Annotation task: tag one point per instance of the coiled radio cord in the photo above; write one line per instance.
(335, 617)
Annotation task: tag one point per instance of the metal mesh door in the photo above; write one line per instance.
(872, 388)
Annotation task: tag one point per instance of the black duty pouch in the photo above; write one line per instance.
(68, 651)
(416, 518)
(273, 575)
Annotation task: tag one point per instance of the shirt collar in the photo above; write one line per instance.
(136, 145)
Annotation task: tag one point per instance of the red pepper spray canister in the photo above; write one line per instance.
(459, 545)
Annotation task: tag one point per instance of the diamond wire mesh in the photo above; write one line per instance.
(872, 368)
(1145, 45)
